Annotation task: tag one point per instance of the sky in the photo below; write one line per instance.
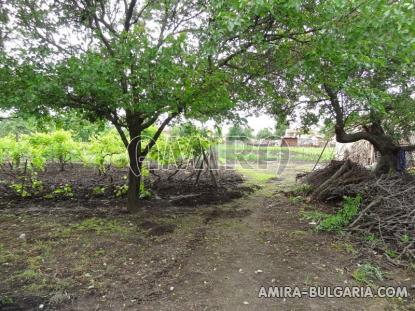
(261, 121)
(257, 122)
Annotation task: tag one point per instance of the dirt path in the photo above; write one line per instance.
(270, 247)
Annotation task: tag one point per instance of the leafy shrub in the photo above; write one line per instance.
(61, 191)
(98, 190)
(105, 150)
(55, 146)
(21, 190)
(15, 152)
(38, 148)
(182, 150)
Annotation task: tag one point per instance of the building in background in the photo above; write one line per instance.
(293, 138)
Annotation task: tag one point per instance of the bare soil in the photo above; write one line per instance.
(211, 256)
(89, 189)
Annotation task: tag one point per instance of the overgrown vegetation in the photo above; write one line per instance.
(258, 154)
(368, 273)
(27, 155)
(338, 221)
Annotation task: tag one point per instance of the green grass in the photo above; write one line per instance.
(313, 216)
(255, 175)
(241, 152)
(338, 221)
(102, 226)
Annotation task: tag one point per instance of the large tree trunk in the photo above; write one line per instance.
(137, 152)
(133, 195)
(135, 172)
(373, 133)
(388, 161)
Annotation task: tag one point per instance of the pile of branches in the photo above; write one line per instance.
(336, 180)
(387, 212)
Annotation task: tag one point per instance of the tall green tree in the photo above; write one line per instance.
(347, 63)
(358, 74)
(134, 63)
(239, 132)
(265, 133)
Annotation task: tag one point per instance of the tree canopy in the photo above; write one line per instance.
(133, 64)
(352, 67)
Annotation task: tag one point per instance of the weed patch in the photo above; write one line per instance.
(368, 273)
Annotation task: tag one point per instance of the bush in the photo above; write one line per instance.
(55, 146)
(105, 150)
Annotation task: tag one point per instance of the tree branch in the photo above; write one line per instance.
(102, 36)
(151, 121)
(129, 15)
(153, 141)
(115, 121)
(244, 47)
(379, 140)
(141, 11)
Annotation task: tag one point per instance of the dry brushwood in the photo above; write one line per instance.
(331, 182)
(389, 215)
(387, 211)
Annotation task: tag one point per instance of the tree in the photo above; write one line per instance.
(265, 133)
(352, 67)
(359, 76)
(133, 64)
(238, 132)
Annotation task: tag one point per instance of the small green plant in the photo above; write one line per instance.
(98, 190)
(120, 191)
(20, 189)
(61, 191)
(144, 193)
(37, 185)
(372, 239)
(101, 226)
(6, 301)
(314, 216)
(341, 219)
(349, 248)
(302, 189)
(405, 238)
(368, 273)
(26, 276)
(391, 253)
(296, 199)
(65, 191)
